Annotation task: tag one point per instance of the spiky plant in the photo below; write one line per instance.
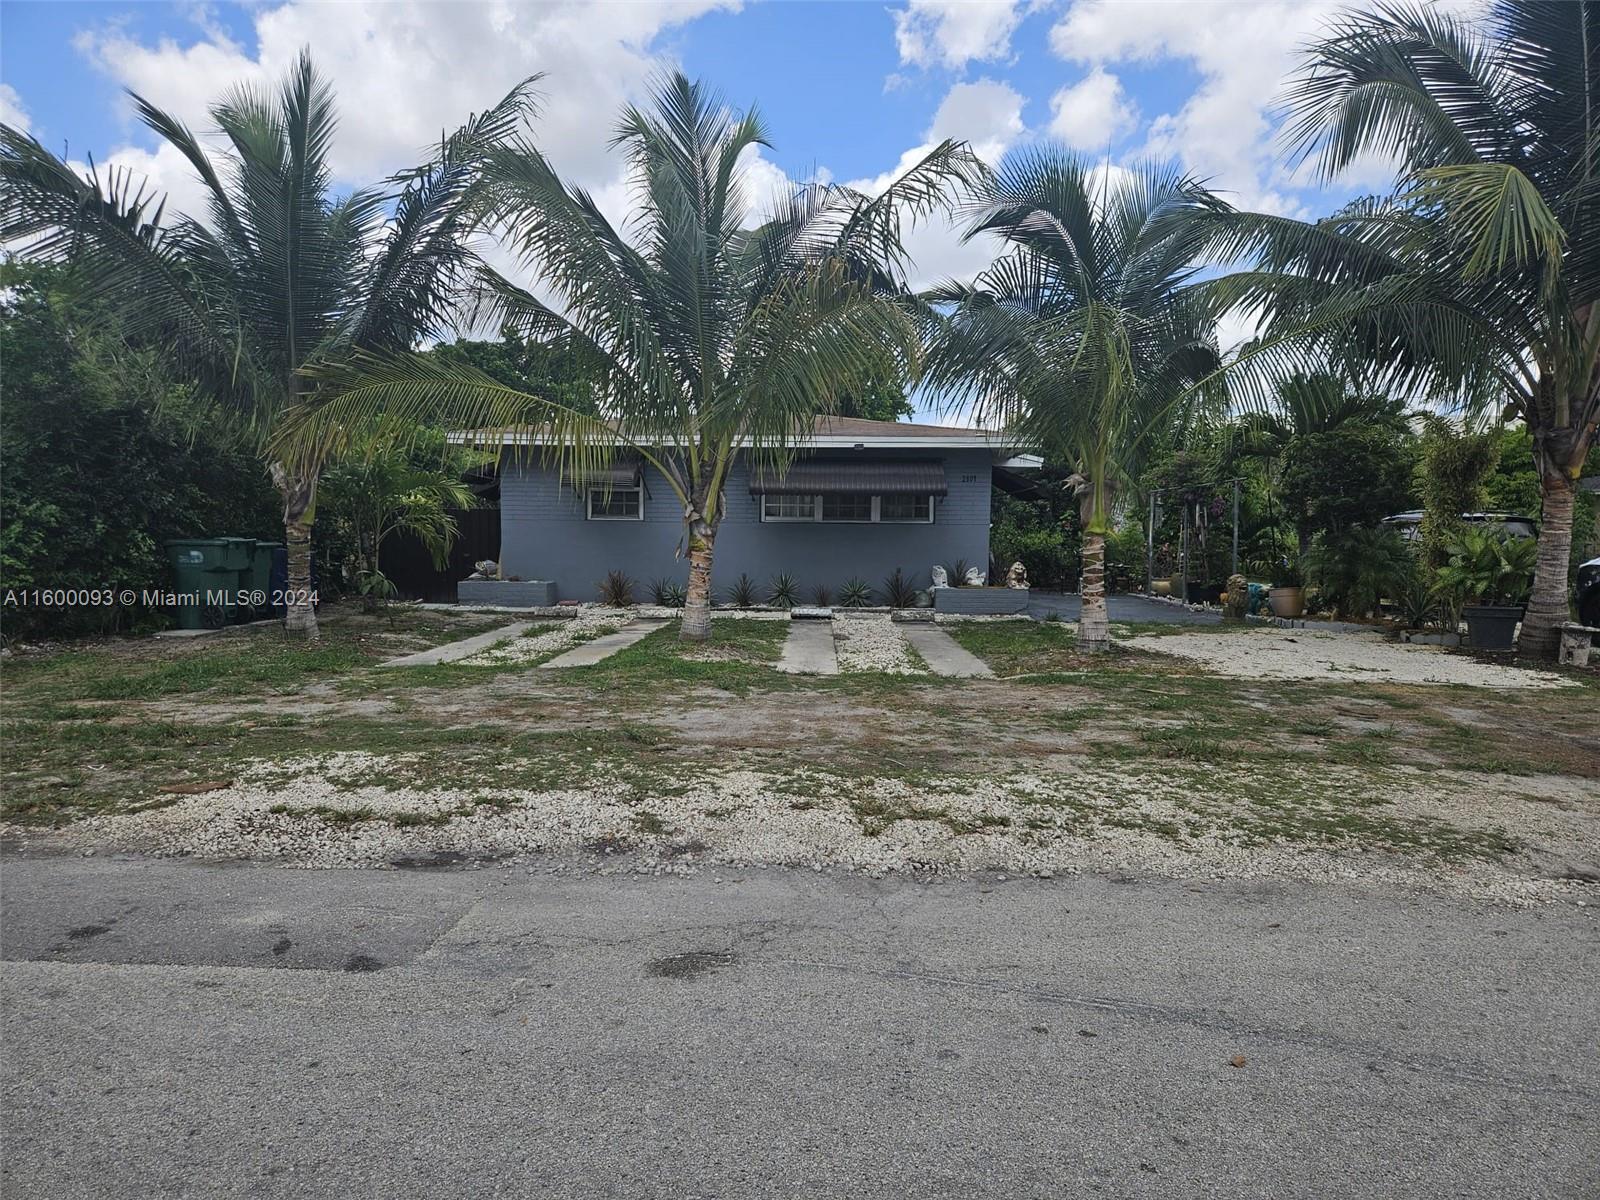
(743, 593)
(784, 592)
(821, 596)
(898, 591)
(616, 589)
(855, 593)
(958, 573)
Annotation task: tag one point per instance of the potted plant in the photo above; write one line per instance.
(1287, 596)
(1161, 570)
(1491, 576)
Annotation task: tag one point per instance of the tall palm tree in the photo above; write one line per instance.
(280, 273)
(1086, 333)
(703, 338)
(1476, 282)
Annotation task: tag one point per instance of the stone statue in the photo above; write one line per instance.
(1017, 577)
(975, 578)
(1238, 598)
(941, 577)
(485, 568)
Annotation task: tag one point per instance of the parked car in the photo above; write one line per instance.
(1409, 524)
(1589, 592)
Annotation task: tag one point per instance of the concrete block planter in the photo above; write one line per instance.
(1418, 638)
(981, 601)
(506, 593)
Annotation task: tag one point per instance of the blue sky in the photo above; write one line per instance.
(850, 90)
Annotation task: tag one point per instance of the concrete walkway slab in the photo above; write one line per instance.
(603, 647)
(943, 654)
(809, 649)
(465, 648)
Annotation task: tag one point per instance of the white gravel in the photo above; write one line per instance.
(589, 623)
(874, 642)
(1312, 654)
(1063, 822)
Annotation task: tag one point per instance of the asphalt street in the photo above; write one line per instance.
(178, 1029)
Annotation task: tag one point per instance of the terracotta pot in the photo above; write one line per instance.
(1161, 587)
(1289, 602)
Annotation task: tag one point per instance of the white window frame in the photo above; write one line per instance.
(590, 493)
(877, 510)
(774, 519)
(877, 517)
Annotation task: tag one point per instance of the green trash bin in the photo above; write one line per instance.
(261, 573)
(196, 563)
(234, 576)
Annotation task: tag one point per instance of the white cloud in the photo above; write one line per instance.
(986, 114)
(1243, 50)
(952, 33)
(1092, 113)
(12, 112)
(398, 70)
(164, 171)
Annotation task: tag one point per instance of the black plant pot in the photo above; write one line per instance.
(1492, 626)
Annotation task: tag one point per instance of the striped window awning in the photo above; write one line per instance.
(852, 477)
(619, 473)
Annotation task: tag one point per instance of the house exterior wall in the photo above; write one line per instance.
(544, 533)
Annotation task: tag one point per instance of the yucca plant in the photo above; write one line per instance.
(616, 589)
(743, 592)
(855, 593)
(898, 591)
(1417, 602)
(821, 596)
(279, 271)
(958, 573)
(663, 591)
(785, 591)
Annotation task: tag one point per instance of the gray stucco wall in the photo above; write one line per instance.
(544, 534)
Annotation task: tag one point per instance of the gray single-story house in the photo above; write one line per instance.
(862, 498)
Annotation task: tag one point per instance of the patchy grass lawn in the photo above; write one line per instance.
(672, 745)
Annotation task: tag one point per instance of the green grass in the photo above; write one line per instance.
(1018, 647)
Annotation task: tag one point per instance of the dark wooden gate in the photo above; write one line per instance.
(411, 568)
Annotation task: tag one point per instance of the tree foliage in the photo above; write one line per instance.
(104, 458)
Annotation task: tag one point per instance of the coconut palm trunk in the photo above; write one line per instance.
(701, 535)
(299, 493)
(1094, 628)
(1548, 606)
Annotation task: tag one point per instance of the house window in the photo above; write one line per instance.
(896, 508)
(616, 504)
(788, 508)
(847, 508)
(905, 507)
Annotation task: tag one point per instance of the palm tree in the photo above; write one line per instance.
(281, 273)
(1085, 334)
(703, 338)
(1475, 283)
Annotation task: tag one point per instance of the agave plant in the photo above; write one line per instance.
(898, 591)
(616, 589)
(1417, 602)
(785, 591)
(666, 593)
(742, 594)
(856, 593)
